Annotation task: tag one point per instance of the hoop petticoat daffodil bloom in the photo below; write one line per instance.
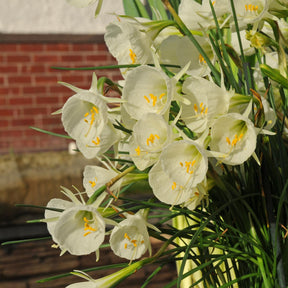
(169, 54)
(197, 16)
(207, 100)
(251, 12)
(128, 43)
(96, 176)
(130, 239)
(234, 135)
(85, 119)
(182, 165)
(79, 229)
(147, 90)
(150, 135)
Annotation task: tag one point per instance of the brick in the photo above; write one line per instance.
(6, 112)
(46, 58)
(46, 79)
(72, 58)
(4, 123)
(47, 99)
(20, 101)
(9, 90)
(34, 89)
(8, 69)
(33, 69)
(97, 58)
(83, 47)
(8, 47)
(58, 47)
(34, 111)
(72, 79)
(19, 80)
(22, 122)
(31, 47)
(11, 134)
(18, 58)
(102, 47)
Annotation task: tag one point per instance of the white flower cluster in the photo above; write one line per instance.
(171, 117)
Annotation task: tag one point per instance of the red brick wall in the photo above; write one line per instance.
(29, 91)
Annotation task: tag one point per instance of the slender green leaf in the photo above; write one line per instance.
(51, 133)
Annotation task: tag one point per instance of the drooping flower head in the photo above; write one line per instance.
(147, 90)
(234, 135)
(130, 239)
(150, 135)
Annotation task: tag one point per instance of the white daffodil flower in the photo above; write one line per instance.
(234, 135)
(147, 90)
(128, 43)
(80, 230)
(198, 16)
(185, 163)
(74, 226)
(197, 196)
(150, 135)
(166, 189)
(96, 176)
(246, 44)
(169, 54)
(85, 119)
(207, 100)
(130, 238)
(251, 12)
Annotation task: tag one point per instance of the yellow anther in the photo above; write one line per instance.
(127, 237)
(95, 109)
(92, 120)
(213, 3)
(174, 185)
(153, 98)
(134, 242)
(132, 56)
(97, 142)
(151, 138)
(147, 99)
(181, 164)
(251, 7)
(228, 140)
(201, 59)
(87, 227)
(138, 151)
(125, 245)
(203, 109)
(92, 183)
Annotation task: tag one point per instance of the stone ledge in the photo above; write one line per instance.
(35, 178)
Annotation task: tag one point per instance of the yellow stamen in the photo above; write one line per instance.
(152, 138)
(93, 183)
(153, 98)
(138, 151)
(132, 56)
(87, 227)
(174, 185)
(97, 142)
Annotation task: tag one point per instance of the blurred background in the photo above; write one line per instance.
(34, 36)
